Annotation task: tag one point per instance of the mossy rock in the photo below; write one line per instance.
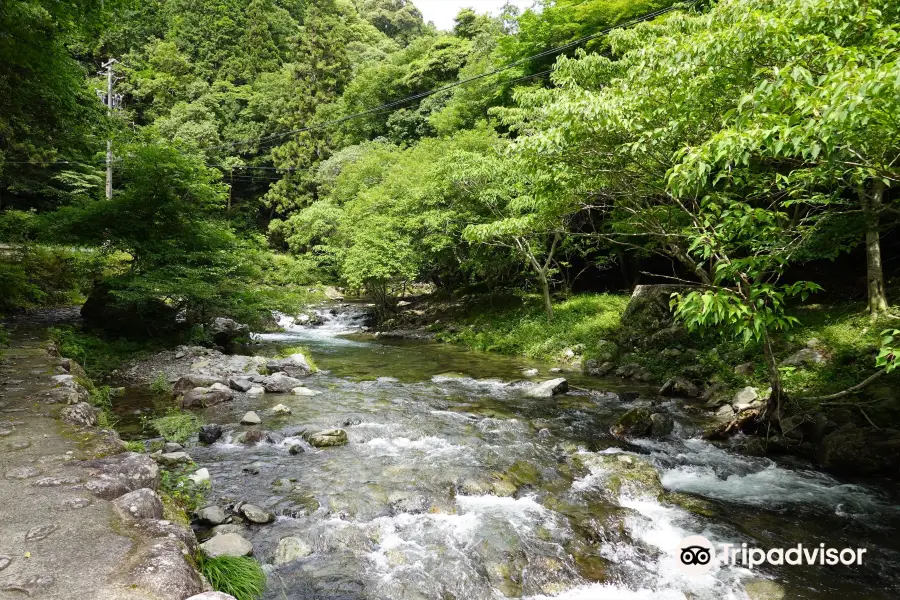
(524, 473)
(635, 422)
(690, 503)
(172, 511)
(628, 474)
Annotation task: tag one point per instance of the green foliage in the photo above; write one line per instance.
(239, 576)
(160, 385)
(176, 426)
(175, 484)
(520, 327)
(887, 354)
(99, 354)
(135, 446)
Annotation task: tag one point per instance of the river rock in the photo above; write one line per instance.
(763, 589)
(530, 372)
(211, 515)
(281, 409)
(257, 515)
(256, 390)
(290, 549)
(626, 474)
(212, 596)
(251, 418)
(240, 385)
(294, 365)
(296, 449)
(679, 386)
(139, 504)
(163, 568)
(745, 369)
(200, 476)
(661, 425)
(193, 380)
(172, 459)
(116, 475)
(596, 368)
(327, 438)
(860, 451)
(745, 398)
(227, 544)
(205, 397)
(81, 414)
(279, 383)
(805, 357)
(210, 433)
(550, 388)
(304, 391)
(224, 330)
(172, 447)
(635, 422)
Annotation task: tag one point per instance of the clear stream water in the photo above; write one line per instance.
(419, 504)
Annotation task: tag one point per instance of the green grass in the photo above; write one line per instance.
(135, 447)
(521, 326)
(176, 426)
(241, 577)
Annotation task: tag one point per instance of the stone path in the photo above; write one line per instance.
(58, 540)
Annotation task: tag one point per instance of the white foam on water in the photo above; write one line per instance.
(429, 445)
(702, 468)
(606, 591)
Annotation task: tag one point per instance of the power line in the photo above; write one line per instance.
(390, 105)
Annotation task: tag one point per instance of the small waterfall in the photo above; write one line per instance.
(324, 323)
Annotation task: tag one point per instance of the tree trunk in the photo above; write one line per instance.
(874, 273)
(545, 291)
(772, 411)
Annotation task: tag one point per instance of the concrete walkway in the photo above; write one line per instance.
(58, 538)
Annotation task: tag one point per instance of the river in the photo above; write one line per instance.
(456, 485)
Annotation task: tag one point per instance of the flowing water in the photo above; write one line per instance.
(456, 485)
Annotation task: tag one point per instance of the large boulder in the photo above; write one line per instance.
(116, 475)
(280, 383)
(635, 422)
(106, 310)
(225, 331)
(626, 474)
(165, 569)
(550, 388)
(679, 386)
(661, 425)
(745, 398)
(860, 451)
(648, 313)
(203, 397)
(139, 504)
(294, 365)
(81, 415)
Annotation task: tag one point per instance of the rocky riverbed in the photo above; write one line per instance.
(416, 470)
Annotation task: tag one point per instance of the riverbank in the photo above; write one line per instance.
(833, 348)
(97, 523)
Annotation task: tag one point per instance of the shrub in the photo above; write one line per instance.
(239, 576)
(176, 426)
(160, 385)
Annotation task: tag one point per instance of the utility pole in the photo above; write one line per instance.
(110, 104)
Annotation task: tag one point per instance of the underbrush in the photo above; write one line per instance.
(520, 326)
(239, 576)
(99, 354)
(176, 426)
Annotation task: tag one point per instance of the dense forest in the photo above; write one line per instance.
(582, 279)
(260, 146)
